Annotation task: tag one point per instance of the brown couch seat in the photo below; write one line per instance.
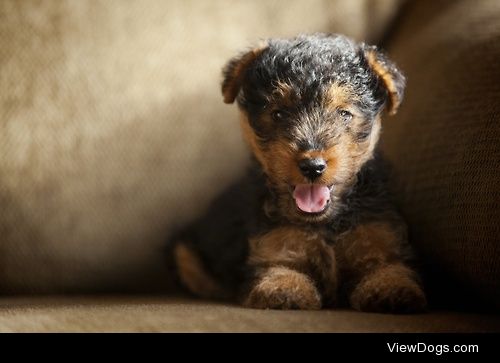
(115, 313)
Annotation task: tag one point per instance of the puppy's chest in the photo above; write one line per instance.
(290, 245)
(286, 235)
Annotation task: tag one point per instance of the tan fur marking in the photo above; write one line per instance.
(279, 161)
(374, 136)
(361, 152)
(388, 80)
(339, 97)
(283, 288)
(252, 141)
(282, 160)
(193, 275)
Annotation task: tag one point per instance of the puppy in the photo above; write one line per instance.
(311, 224)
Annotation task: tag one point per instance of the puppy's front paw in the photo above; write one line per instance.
(390, 289)
(283, 288)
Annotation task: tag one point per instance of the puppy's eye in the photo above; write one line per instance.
(346, 115)
(278, 115)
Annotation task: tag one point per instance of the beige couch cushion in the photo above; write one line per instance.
(445, 145)
(113, 130)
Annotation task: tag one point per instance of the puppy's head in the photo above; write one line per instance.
(310, 111)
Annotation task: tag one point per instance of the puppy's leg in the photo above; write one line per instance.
(370, 257)
(294, 268)
(283, 288)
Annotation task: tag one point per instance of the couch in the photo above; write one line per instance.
(113, 133)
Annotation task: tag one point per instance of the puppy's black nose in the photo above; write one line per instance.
(312, 168)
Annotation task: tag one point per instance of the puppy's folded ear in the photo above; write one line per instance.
(390, 76)
(234, 72)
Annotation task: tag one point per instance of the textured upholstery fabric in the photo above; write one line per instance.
(445, 144)
(113, 130)
(158, 314)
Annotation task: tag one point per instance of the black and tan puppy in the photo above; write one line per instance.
(311, 224)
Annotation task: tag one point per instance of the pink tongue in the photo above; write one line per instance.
(311, 198)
